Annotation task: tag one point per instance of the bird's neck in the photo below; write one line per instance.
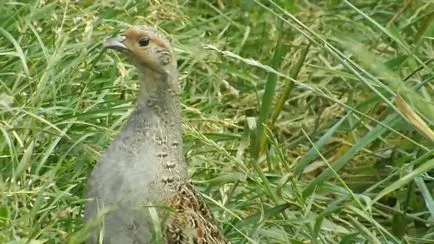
(158, 100)
(159, 105)
(158, 85)
(153, 132)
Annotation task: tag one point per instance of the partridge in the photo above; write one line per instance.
(139, 190)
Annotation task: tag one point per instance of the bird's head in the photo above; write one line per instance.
(149, 50)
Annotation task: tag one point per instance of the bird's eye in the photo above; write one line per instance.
(144, 42)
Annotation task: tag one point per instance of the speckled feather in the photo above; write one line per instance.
(192, 222)
(144, 166)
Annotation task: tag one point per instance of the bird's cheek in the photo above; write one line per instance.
(164, 59)
(143, 60)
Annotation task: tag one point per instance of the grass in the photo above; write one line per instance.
(304, 121)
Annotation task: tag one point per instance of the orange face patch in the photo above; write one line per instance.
(135, 34)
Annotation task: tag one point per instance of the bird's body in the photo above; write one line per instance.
(142, 178)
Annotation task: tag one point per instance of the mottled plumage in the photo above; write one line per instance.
(143, 171)
(192, 222)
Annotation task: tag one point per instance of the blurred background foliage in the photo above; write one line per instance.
(304, 121)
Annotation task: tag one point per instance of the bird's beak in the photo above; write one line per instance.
(116, 43)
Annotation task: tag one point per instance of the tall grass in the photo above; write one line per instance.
(304, 121)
